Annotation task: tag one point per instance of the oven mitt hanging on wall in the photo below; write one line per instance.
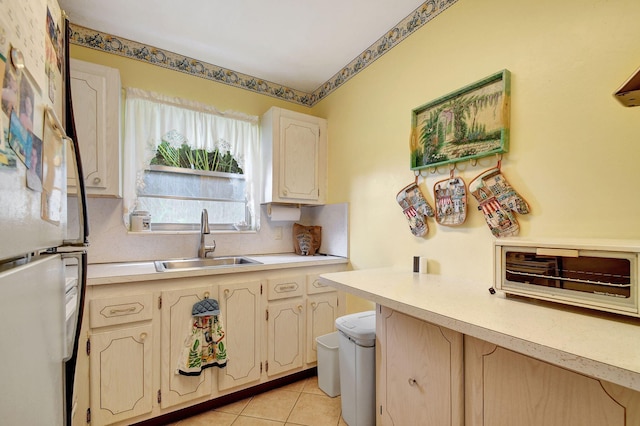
(498, 200)
(415, 208)
(499, 218)
(451, 201)
(504, 192)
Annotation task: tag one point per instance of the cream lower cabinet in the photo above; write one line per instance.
(176, 326)
(419, 372)
(120, 358)
(323, 308)
(137, 331)
(507, 388)
(285, 316)
(240, 305)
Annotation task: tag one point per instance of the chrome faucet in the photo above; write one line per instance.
(204, 249)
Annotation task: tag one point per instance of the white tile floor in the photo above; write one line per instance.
(300, 403)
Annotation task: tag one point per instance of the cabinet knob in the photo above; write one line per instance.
(300, 308)
(313, 305)
(206, 294)
(412, 382)
(96, 180)
(226, 292)
(285, 192)
(143, 336)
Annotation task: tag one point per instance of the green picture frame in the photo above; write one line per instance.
(467, 124)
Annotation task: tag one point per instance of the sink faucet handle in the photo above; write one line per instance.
(204, 222)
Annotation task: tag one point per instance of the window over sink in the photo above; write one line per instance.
(181, 157)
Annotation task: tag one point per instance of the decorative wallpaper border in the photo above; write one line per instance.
(120, 46)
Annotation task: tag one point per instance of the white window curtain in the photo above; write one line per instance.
(149, 116)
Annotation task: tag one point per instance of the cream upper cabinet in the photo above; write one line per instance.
(95, 92)
(295, 157)
(176, 326)
(241, 307)
(418, 371)
(507, 388)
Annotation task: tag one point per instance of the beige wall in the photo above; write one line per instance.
(574, 149)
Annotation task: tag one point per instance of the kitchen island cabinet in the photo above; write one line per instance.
(524, 363)
(418, 371)
(507, 388)
(137, 330)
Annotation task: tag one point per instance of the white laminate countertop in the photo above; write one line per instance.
(602, 346)
(115, 273)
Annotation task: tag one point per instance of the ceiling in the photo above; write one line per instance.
(300, 44)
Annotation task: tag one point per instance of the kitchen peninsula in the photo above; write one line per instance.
(523, 362)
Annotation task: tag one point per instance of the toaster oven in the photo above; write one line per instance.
(600, 275)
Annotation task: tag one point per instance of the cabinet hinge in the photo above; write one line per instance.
(88, 415)
(160, 302)
(260, 288)
(260, 367)
(88, 346)
(266, 366)
(159, 397)
(381, 410)
(266, 315)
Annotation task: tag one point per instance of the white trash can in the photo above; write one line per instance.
(328, 364)
(358, 367)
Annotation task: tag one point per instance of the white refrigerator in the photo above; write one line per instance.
(42, 269)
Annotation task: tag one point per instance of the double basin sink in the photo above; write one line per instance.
(197, 263)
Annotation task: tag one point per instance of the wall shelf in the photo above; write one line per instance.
(629, 93)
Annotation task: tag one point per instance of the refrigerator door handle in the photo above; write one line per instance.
(72, 324)
(83, 226)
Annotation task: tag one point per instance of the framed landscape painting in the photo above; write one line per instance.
(470, 123)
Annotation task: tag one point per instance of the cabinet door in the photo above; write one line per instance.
(95, 92)
(299, 159)
(322, 311)
(507, 388)
(419, 371)
(285, 336)
(121, 375)
(176, 326)
(240, 306)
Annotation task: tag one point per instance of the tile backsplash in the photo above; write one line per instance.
(111, 242)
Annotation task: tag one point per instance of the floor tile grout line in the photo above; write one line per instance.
(294, 404)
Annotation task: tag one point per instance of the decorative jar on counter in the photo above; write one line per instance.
(140, 221)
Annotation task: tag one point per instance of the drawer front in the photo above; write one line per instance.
(314, 285)
(285, 287)
(120, 310)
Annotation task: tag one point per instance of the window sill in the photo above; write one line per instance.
(191, 232)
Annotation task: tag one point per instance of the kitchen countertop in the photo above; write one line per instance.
(598, 345)
(114, 273)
